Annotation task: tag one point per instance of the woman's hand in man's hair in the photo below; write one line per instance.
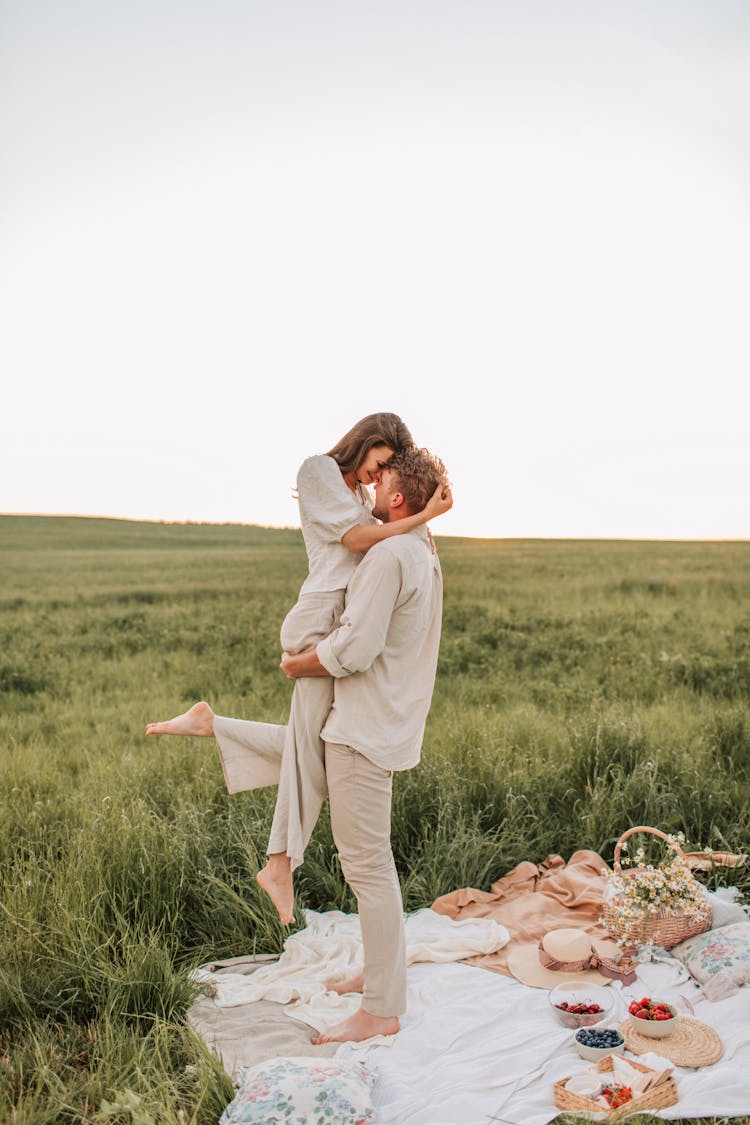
(440, 502)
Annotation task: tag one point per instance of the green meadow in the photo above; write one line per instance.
(583, 687)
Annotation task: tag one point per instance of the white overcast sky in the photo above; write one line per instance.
(229, 229)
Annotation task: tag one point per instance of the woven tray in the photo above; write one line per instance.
(692, 1043)
(662, 1096)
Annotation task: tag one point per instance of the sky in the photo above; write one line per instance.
(229, 230)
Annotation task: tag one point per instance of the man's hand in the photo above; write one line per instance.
(297, 664)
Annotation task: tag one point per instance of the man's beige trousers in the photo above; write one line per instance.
(360, 802)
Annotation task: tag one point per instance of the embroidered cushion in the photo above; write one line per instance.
(303, 1091)
(718, 955)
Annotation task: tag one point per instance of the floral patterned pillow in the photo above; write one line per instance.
(723, 953)
(303, 1091)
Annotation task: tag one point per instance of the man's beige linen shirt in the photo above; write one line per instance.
(384, 654)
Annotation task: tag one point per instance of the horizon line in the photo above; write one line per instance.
(444, 535)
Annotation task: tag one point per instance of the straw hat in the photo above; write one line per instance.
(569, 954)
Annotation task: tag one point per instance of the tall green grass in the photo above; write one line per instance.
(583, 687)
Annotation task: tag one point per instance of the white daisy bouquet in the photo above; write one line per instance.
(654, 902)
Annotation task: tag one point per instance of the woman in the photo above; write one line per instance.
(338, 527)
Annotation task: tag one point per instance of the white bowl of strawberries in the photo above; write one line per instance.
(653, 1018)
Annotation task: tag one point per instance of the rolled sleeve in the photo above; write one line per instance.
(328, 659)
(370, 601)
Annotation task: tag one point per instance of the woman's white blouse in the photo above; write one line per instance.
(328, 509)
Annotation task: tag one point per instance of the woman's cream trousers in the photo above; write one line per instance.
(293, 756)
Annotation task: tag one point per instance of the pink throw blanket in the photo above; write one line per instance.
(532, 899)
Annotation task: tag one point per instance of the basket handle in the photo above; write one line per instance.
(631, 832)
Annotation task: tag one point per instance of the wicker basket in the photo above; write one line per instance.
(662, 929)
(663, 1095)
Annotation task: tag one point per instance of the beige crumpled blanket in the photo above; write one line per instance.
(532, 899)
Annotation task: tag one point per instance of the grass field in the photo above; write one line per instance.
(583, 687)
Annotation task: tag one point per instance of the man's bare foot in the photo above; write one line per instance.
(276, 880)
(354, 984)
(362, 1025)
(198, 721)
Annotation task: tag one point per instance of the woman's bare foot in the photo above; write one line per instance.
(354, 984)
(358, 1027)
(276, 880)
(198, 721)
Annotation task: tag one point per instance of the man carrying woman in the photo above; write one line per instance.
(379, 662)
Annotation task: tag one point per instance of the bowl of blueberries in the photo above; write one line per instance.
(593, 1043)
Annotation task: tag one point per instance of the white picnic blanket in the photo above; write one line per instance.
(475, 1046)
(489, 1050)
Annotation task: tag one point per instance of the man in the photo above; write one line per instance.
(383, 657)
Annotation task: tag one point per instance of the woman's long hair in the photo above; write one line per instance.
(375, 429)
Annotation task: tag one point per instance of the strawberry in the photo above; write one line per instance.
(634, 1007)
(617, 1095)
(645, 1002)
(662, 1015)
(642, 1014)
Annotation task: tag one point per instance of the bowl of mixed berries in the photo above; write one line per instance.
(653, 1018)
(580, 1004)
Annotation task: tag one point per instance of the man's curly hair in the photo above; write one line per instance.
(419, 473)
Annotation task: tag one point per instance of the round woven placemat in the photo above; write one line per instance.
(692, 1043)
